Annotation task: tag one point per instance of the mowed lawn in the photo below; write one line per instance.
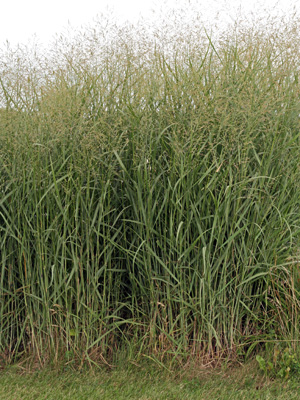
(145, 384)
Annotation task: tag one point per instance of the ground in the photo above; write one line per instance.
(145, 383)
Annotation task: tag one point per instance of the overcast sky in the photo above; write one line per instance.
(21, 19)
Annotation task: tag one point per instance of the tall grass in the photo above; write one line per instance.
(150, 196)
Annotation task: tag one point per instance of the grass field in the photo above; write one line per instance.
(150, 195)
(146, 384)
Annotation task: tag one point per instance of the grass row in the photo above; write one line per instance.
(149, 199)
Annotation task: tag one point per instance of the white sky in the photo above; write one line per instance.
(21, 19)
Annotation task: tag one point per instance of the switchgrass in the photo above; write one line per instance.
(150, 196)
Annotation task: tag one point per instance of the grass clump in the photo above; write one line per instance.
(150, 196)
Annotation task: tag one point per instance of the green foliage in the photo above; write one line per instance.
(282, 363)
(149, 197)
